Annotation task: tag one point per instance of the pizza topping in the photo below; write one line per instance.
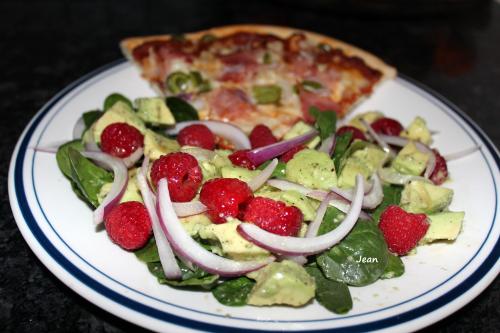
(230, 103)
(238, 67)
(261, 136)
(322, 103)
(267, 94)
(121, 140)
(197, 135)
(311, 86)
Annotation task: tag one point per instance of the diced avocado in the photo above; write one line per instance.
(443, 226)
(312, 169)
(120, 112)
(132, 192)
(156, 145)
(422, 197)
(307, 206)
(369, 117)
(231, 171)
(301, 128)
(212, 168)
(232, 244)
(418, 131)
(363, 161)
(193, 224)
(153, 110)
(410, 160)
(283, 282)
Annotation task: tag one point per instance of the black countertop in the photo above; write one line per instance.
(45, 45)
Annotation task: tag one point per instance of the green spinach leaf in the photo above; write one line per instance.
(395, 267)
(359, 259)
(234, 292)
(115, 97)
(279, 172)
(190, 278)
(181, 110)
(333, 295)
(62, 156)
(148, 253)
(90, 117)
(325, 121)
(332, 219)
(392, 196)
(341, 144)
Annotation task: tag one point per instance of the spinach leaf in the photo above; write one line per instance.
(341, 144)
(90, 117)
(331, 220)
(279, 172)
(392, 196)
(190, 278)
(88, 177)
(181, 110)
(325, 121)
(333, 295)
(115, 97)
(395, 267)
(359, 259)
(354, 146)
(62, 156)
(149, 253)
(234, 292)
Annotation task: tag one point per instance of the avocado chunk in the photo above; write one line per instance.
(132, 192)
(312, 169)
(410, 160)
(369, 117)
(418, 131)
(120, 112)
(281, 283)
(232, 244)
(307, 206)
(423, 197)
(154, 110)
(299, 129)
(193, 224)
(243, 174)
(443, 226)
(363, 161)
(212, 168)
(156, 145)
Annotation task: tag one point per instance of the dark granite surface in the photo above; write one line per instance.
(45, 45)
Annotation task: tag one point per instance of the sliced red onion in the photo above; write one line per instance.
(48, 149)
(328, 145)
(393, 177)
(312, 229)
(167, 257)
(132, 159)
(371, 200)
(183, 209)
(188, 248)
(300, 260)
(262, 154)
(256, 182)
(459, 154)
(228, 131)
(78, 129)
(287, 245)
(199, 153)
(118, 187)
(377, 137)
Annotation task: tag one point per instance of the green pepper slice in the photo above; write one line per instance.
(267, 94)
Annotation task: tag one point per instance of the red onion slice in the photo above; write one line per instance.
(256, 182)
(393, 177)
(228, 131)
(188, 248)
(46, 149)
(183, 209)
(167, 257)
(459, 154)
(132, 159)
(328, 145)
(118, 187)
(371, 200)
(262, 154)
(287, 245)
(78, 129)
(199, 153)
(378, 138)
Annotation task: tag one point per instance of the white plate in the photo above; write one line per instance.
(439, 279)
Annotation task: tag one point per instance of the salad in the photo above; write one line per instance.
(255, 219)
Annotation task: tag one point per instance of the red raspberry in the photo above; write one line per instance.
(128, 225)
(273, 216)
(440, 173)
(402, 230)
(291, 153)
(240, 158)
(182, 172)
(261, 136)
(356, 132)
(197, 135)
(387, 126)
(223, 197)
(121, 139)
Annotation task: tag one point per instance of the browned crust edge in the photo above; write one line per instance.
(388, 72)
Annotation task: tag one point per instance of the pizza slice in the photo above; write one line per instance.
(251, 74)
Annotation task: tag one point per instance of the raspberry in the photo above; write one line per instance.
(387, 126)
(182, 172)
(440, 172)
(356, 132)
(402, 230)
(197, 135)
(273, 216)
(128, 225)
(261, 136)
(121, 139)
(291, 153)
(240, 158)
(223, 197)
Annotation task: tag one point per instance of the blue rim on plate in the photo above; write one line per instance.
(62, 261)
